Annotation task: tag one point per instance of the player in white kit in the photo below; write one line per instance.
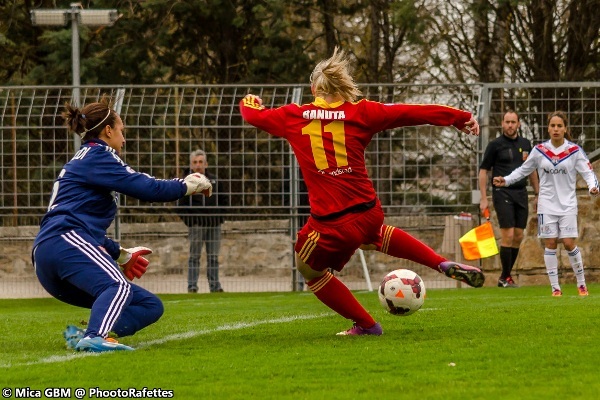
(558, 161)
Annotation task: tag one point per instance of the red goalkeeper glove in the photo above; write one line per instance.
(132, 263)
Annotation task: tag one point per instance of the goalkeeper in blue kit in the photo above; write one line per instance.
(74, 259)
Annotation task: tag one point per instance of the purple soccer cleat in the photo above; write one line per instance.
(472, 276)
(357, 330)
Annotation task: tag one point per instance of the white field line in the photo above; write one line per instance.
(172, 338)
(230, 327)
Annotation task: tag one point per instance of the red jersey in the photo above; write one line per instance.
(329, 141)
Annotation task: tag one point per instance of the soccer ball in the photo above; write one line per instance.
(402, 292)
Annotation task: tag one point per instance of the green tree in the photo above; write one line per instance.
(159, 41)
(516, 40)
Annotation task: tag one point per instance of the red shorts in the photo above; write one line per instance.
(330, 244)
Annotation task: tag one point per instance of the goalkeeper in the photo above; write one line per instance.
(73, 258)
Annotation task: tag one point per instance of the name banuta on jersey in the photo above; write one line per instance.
(323, 114)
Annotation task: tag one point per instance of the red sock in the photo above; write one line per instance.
(400, 244)
(335, 295)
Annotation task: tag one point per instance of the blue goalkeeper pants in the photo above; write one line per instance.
(75, 269)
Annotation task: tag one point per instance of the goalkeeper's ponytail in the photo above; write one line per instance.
(91, 120)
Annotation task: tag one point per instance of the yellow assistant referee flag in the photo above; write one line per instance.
(479, 242)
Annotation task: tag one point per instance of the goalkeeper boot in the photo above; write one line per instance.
(72, 336)
(556, 292)
(357, 330)
(100, 345)
(582, 290)
(472, 276)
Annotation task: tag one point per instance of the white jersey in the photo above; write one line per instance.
(557, 168)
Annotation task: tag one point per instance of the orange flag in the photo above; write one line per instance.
(479, 242)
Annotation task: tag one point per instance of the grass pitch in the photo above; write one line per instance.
(489, 343)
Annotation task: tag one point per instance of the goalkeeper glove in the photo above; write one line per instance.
(132, 263)
(198, 183)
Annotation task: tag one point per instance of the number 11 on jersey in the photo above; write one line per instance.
(315, 130)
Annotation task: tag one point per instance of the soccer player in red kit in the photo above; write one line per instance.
(329, 137)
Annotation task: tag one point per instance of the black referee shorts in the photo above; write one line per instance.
(511, 207)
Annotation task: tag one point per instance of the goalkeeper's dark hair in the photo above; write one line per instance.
(332, 76)
(91, 119)
(562, 115)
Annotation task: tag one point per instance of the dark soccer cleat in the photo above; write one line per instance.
(507, 282)
(100, 345)
(511, 282)
(72, 335)
(472, 276)
(357, 330)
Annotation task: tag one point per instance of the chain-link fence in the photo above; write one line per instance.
(422, 174)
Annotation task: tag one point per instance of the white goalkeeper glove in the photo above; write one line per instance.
(198, 183)
(132, 263)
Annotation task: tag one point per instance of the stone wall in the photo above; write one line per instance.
(265, 248)
(530, 263)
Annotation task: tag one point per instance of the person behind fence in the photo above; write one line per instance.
(329, 137)
(73, 257)
(203, 216)
(302, 208)
(303, 213)
(502, 156)
(558, 161)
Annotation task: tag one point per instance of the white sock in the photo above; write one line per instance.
(577, 264)
(551, 262)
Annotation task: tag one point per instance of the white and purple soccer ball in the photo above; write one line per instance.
(402, 292)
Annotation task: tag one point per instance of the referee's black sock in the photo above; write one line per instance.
(505, 259)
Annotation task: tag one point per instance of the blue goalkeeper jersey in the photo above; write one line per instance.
(85, 194)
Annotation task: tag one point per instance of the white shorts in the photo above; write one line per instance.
(557, 226)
